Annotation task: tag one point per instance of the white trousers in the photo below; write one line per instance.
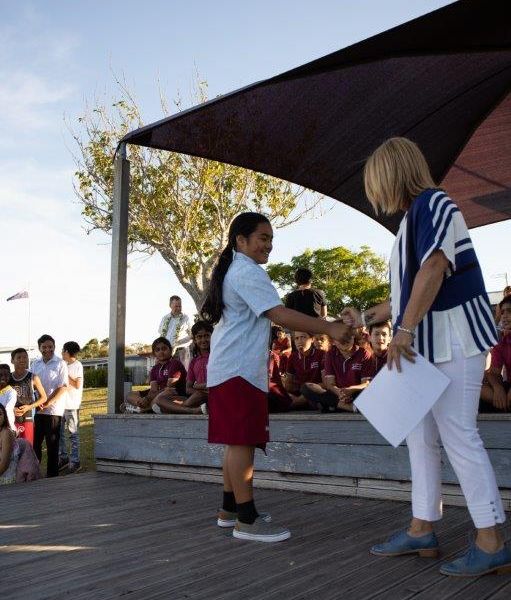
(453, 419)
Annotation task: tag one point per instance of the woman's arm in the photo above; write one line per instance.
(375, 314)
(6, 442)
(296, 321)
(426, 286)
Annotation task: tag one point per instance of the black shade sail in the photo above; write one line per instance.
(443, 80)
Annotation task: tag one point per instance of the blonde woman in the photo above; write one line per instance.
(441, 310)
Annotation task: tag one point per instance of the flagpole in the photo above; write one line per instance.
(29, 324)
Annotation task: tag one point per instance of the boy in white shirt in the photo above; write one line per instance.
(71, 418)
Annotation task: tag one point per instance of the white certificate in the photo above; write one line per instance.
(394, 403)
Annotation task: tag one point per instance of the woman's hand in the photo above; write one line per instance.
(401, 345)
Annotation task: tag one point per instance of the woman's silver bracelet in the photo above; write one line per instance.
(409, 331)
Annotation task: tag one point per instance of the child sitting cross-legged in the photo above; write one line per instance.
(196, 387)
(166, 380)
(304, 366)
(346, 365)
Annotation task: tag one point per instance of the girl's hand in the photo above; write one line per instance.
(401, 345)
(351, 316)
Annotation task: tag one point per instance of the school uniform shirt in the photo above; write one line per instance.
(172, 368)
(376, 364)
(53, 374)
(501, 356)
(8, 398)
(282, 345)
(241, 339)
(434, 222)
(306, 368)
(348, 371)
(198, 369)
(74, 395)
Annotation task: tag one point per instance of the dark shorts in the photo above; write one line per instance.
(238, 414)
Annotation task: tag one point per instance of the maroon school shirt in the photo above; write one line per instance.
(306, 368)
(198, 369)
(377, 363)
(171, 369)
(348, 371)
(501, 355)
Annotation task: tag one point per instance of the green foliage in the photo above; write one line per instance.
(95, 378)
(348, 278)
(180, 206)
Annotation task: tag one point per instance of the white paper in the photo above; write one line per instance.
(395, 403)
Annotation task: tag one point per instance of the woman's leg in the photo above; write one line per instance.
(425, 464)
(456, 416)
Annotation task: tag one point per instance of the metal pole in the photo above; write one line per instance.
(118, 280)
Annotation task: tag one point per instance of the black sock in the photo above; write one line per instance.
(247, 512)
(229, 503)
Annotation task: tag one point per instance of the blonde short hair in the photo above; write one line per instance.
(394, 174)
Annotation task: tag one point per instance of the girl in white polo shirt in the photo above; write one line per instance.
(243, 302)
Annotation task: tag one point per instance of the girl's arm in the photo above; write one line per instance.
(6, 442)
(296, 321)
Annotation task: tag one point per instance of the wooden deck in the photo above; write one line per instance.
(97, 536)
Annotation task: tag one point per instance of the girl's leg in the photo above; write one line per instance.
(196, 399)
(169, 407)
(134, 398)
(240, 476)
(456, 417)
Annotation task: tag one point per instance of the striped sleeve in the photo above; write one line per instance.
(435, 228)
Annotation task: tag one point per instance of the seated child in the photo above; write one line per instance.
(8, 395)
(166, 378)
(196, 387)
(380, 335)
(281, 345)
(496, 388)
(345, 367)
(322, 342)
(304, 366)
(278, 398)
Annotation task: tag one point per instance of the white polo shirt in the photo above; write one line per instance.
(241, 340)
(53, 374)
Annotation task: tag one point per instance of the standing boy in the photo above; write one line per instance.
(71, 418)
(52, 372)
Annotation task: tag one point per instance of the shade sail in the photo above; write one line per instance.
(443, 80)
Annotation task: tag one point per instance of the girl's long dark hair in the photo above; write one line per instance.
(244, 224)
(6, 418)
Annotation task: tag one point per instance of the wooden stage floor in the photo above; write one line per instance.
(96, 536)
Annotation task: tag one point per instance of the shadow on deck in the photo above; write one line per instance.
(98, 536)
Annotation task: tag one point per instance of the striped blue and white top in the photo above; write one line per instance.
(434, 222)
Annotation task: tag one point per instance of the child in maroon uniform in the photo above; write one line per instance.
(281, 345)
(278, 398)
(196, 377)
(304, 366)
(166, 380)
(346, 364)
(379, 337)
(496, 389)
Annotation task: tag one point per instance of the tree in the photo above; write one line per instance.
(180, 206)
(348, 278)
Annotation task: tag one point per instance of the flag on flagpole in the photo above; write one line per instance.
(18, 296)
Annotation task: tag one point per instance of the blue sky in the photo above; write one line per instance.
(58, 55)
